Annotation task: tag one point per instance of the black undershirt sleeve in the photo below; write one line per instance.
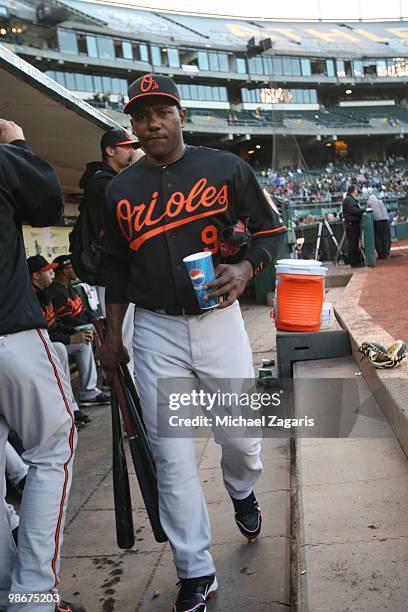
(115, 250)
(264, 221)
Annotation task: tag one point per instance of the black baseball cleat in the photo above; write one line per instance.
(100, 400)
(66, 606)
(248, 516)
(194, 592)
(81, 418)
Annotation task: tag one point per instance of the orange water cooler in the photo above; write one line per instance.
(299, 294)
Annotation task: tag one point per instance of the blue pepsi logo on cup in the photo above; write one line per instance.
(197, 276)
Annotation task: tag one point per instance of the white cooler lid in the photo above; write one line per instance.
(304, 270)
(299, 262)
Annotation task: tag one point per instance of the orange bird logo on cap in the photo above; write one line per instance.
(148, 83)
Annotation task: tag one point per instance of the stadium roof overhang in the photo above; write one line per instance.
(58, 126)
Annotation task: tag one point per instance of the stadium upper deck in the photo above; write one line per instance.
(321, 82)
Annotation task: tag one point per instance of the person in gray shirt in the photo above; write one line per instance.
(382, 233)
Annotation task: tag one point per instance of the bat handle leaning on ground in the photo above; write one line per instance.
(143, 461)
(125, 535)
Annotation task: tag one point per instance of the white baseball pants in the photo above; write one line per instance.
(35, 401)
(210, 346)
(127, 327)
(63, 357)
(88, 376)
(16, 469)
(11, 517)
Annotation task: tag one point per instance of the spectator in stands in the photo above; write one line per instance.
(390, 179)
(232, 119)
(106, 100)
(382, 232)
(259, 114)
(66, 340)
(121, 102)
(352, 214)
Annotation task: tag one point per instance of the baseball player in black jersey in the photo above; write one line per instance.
(70, 311)
(62, 336)
(35, 398)
(171, 204)
(119, 149)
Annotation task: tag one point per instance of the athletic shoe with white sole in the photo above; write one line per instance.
(80, 417)
(100, 400)
(248, 516)
(194, 592)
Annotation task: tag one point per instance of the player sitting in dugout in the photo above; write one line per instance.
(68, 340)
(67, 302)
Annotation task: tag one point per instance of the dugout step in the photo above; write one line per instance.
(305, 346)
(349, 498)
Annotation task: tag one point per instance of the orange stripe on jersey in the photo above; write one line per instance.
(270, 231)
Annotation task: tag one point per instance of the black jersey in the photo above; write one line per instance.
(68, 305)
(156, 216)
(30, 192)
(57, 331)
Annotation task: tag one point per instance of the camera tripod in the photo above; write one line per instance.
(325, 231)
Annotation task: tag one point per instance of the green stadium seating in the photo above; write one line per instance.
(334, 116)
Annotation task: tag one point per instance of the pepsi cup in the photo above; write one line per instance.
(201, 270)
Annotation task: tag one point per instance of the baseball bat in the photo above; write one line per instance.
(142, 457)
(125, 535)
(140, 450)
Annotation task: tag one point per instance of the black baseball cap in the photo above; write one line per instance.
(115, 138)
(38, 263)
(151, 85)
(62, 261)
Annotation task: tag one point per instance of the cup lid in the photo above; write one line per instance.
(196, 256)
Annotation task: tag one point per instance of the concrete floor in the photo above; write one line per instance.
(252, 576)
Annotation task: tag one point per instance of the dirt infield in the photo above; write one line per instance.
(385, 293)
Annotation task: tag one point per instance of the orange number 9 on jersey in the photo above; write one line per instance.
(209, 236)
